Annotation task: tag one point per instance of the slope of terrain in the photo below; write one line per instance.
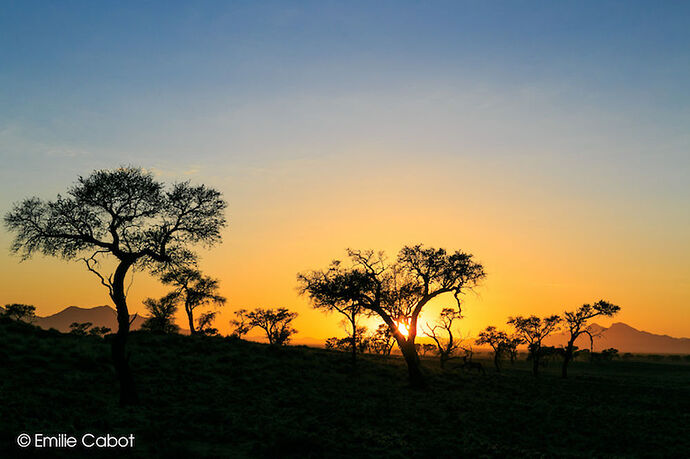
(219, 397)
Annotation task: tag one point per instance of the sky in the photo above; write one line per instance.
(549, 139)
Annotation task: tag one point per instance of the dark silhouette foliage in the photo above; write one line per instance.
(205, 324)
(240, 325)
(162, 314)
(382, 340)
(79, 328)
(276, 323)
(361, 342)
(498, 340)
(576, 325)
(20, 312)
(397, 292)
(335, 289)
(533, 330)
(442, 334)
(196, 291)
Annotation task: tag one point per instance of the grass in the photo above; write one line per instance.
(219, 397)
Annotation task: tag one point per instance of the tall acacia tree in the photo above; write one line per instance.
(533, 330)
(129, 216)
(576, 322)
(398, 291)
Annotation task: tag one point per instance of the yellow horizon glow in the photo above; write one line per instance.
(543, 252)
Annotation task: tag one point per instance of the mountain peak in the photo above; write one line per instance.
(99, 316)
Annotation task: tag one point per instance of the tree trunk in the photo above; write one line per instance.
(496, 361)
(190, 317)
(128, 395)
(413, 364)
(535, 350)
(354, 341)
(567, 357)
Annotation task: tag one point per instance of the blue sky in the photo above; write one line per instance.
(566, 113)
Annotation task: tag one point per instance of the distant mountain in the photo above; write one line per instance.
(626, 339)
(100, 316)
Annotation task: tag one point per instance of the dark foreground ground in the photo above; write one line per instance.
(226, 398)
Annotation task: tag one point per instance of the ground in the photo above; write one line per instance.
(221, 397)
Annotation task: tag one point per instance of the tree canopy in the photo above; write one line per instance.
(127, 214)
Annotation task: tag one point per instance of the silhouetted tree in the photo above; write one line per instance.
(576, 323)
(335, 290)
(533, 330)
(240, 324)
(445, 345)
(498, 340)
(275, 322)
(99, 331)
(20, 312)
(361, 344)
(382, 341)
(195, 289)
(205, 324)
(398, 292)
(126, 214)
(428, 347)
(511, 346)
(161, 314)
(79, 328)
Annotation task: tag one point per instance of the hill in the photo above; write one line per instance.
(222, 397)
(99, 316)
(626, 339)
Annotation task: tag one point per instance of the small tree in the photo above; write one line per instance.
(361, 344)
(336, 290)
(498, 340)
(533, 330)
(125, 214)
(79, 328)
(445, 345)
(195, 289)
(99, 331)
(20, 312)
(161, 314)
(382, 341)
(240, 324)
(576, 323)
(511, 346)
(275, 322)
(205, 324)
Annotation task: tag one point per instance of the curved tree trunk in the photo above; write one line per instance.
(353, 322)
(413, 364)
(128, 395)
(496, 361)
(190, 317)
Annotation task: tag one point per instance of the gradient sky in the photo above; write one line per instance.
(550, 139)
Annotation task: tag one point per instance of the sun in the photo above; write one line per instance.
(402, 328)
